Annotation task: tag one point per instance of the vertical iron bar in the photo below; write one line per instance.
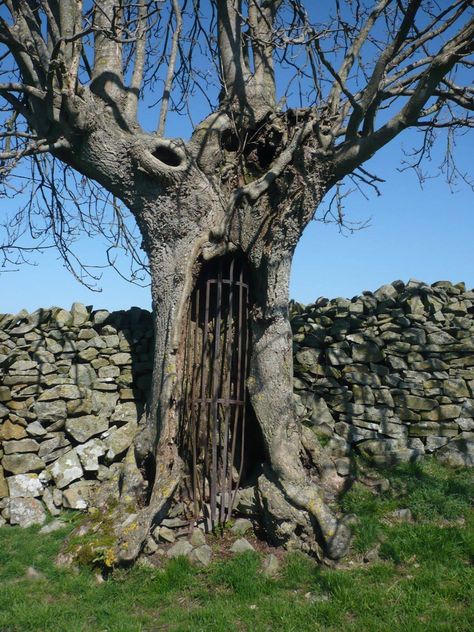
(227, 357)
(203, 406)
(215, 394)
(239, 396)
(194, 405)
(243, 371)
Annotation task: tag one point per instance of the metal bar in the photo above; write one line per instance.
(194, 404)
(227, 357)
(238, 393)
(204, 373)
(221, 400)
(243, 371)
(228, 282)
(215, 390)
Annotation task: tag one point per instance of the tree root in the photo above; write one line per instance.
(292, 510)
(131, 537)
(295, 515)
(116, 528)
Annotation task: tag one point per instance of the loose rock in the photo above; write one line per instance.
(241, 546)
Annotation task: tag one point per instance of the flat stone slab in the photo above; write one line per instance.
(120, 439)
(26, 512)
(50, 411)
(83, 428)
(62, 391)
(20, 446)
(181, 548)
(89, 454)
(66, 469)
(241, 545)
(9, 431)
(25, 486)
(23, 463)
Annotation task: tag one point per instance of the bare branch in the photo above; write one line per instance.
(139, 62)
(21, 87)
(369, 93)
(40, 147)
(352, 154)
(352, 54)
(235, 73)
(171, 68)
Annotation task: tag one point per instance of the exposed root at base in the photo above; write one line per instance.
(295, 516)
(292, 514)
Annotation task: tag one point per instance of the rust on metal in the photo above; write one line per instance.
(215, 399)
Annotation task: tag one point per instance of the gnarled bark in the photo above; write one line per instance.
(293, 511)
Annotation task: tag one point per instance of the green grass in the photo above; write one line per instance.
(422, 578)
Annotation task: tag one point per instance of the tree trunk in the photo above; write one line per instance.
(195, 204)
(292, 510)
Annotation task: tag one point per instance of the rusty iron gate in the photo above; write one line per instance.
(216, 359)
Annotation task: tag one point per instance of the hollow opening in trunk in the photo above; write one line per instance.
(218, 422)
(167, 155)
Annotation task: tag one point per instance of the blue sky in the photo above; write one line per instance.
(425, 233)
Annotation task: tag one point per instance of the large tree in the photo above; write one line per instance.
(298, 96)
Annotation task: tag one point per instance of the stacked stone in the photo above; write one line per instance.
(72, 387)
(389, 374)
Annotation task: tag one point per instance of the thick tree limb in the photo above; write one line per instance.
(171, 68)
(235, 73)
(139, 62)
(107, 72)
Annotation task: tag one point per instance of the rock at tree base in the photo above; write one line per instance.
(179, 549)
(241, 526)
(26, 512)
(271, 565)
(201, 555)
(241, 546)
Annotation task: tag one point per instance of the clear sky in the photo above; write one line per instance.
(414, 233)
(421, 233)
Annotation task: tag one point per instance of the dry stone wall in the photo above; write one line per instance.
(72, 387)
(388, 374)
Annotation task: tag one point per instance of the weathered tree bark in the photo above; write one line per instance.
(185, 219)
